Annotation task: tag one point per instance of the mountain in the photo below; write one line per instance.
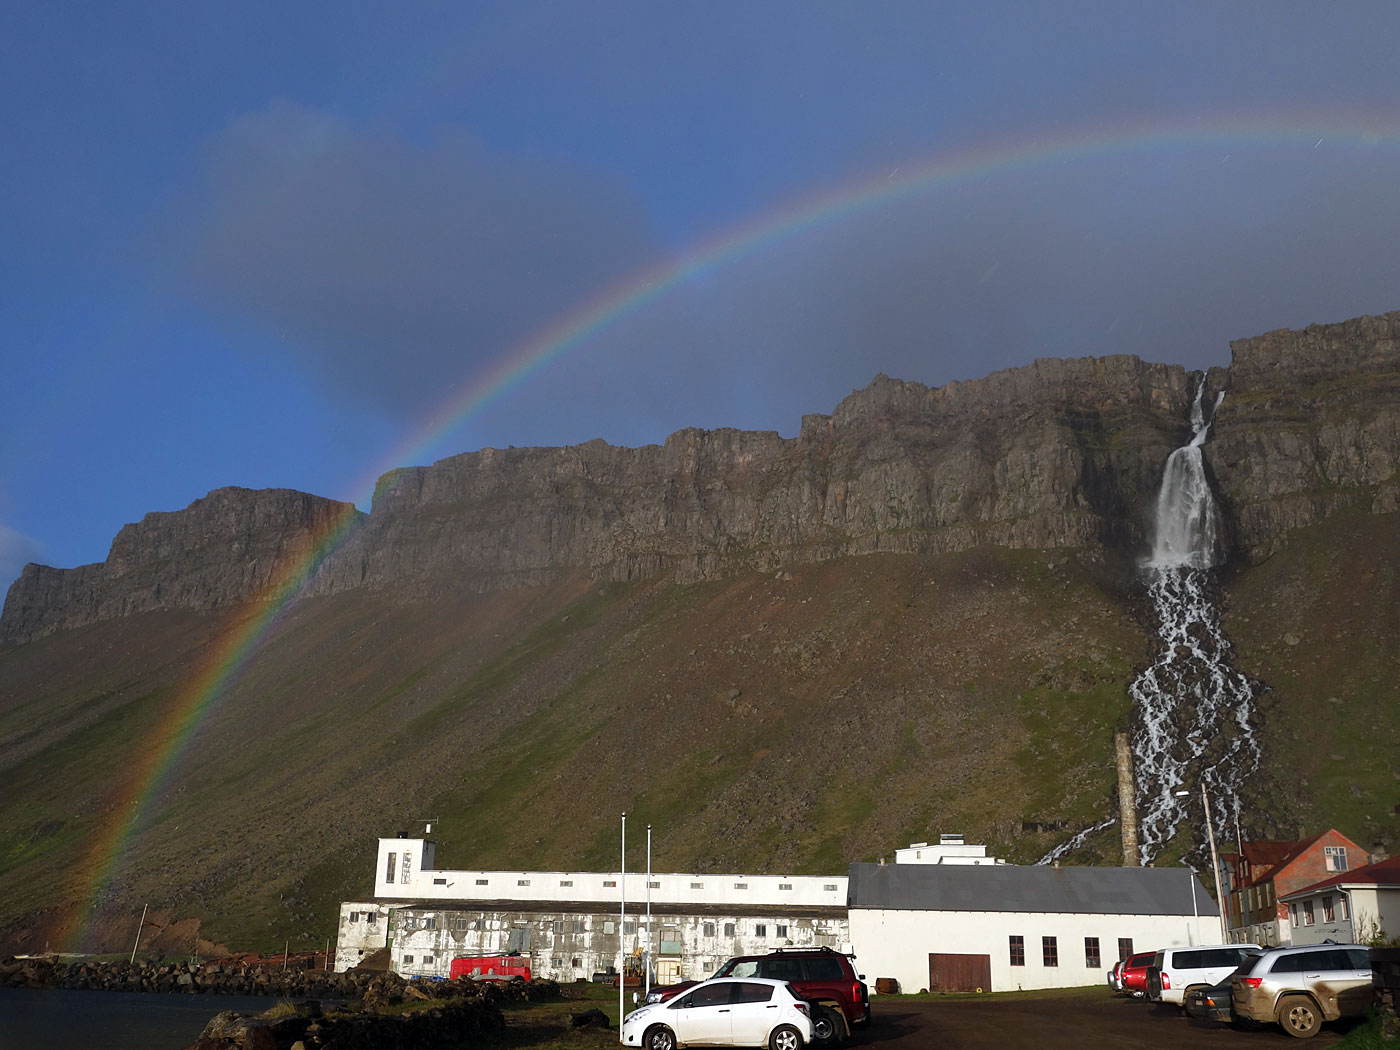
(919, 614)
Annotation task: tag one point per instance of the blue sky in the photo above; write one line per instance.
(265, 244)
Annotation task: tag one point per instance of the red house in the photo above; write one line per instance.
(1262, 872)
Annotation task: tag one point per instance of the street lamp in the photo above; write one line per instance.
(1214, 860)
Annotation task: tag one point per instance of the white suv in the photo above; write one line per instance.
(1304, 986)
(1176, 971)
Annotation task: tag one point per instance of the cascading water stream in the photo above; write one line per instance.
(1194, 712)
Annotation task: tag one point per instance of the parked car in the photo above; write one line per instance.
(1300, 988)
(1133, 975)
(1176, 971)
(724, 1011)
(1115, 976)
(1211, 1003)
(825, 978)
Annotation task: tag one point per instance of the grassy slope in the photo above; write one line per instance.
(765, 724)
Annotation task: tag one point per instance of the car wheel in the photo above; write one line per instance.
(826, 1028)
(785, 1037)
(659, 1038)
(1298, 1015)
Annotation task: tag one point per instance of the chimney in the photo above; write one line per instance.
(1127, 805)
(1378, 852)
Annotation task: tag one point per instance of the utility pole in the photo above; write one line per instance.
(1214, 865)
(646, 965)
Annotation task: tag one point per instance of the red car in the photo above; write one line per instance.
(1134, 974)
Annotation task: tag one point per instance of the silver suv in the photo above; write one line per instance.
(1304, 986)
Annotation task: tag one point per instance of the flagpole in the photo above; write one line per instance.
(621, 930)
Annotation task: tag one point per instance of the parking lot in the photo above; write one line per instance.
(1061, 1021)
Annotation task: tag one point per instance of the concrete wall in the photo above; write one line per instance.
(417, 880)
(898, 943)
(364, 929)
(569, 945)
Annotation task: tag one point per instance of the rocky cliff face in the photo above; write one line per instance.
(232, 545)
(1060, 454)
(1310, 426)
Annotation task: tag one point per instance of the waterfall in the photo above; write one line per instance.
(1194, 713)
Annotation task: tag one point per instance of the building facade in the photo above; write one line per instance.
(1006, 927)
(570, 923)
(1354, 906)
(1264, 873)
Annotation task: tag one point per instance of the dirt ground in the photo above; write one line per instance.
(1075, 1021)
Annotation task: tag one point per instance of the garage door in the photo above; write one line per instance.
(959, 973)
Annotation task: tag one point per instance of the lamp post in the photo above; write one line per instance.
(1214, 863)
(1195, 913)
(646, 958)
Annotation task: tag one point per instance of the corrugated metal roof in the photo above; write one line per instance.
(1038, 888)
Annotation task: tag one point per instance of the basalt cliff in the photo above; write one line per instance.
(922, 612)
(1060, 454)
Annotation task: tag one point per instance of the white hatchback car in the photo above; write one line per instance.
(724, 1011)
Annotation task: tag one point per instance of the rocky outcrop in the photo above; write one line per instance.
(1058, 454)
(233, 545)
(1310, 426)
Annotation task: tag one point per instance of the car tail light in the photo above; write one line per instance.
(1166, 979)
(1250, 982)
(802, 1007)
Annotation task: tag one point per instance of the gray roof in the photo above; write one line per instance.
(1012, 887)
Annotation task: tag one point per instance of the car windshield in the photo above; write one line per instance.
(741, 968)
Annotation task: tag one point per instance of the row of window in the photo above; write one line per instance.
(708, 929)
(1331, 910)
(1050, 951)
(829, 887)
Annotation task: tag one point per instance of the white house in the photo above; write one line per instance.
(957, 927)
(951, 849)
(1359, 905)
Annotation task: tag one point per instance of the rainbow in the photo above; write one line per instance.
(241, 637)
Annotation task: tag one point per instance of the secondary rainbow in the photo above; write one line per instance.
(231, 652)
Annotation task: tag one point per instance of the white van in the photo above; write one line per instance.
(1175, 971)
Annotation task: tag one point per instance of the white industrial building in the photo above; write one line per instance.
(568, 921)
(943, 917)
(958, 927)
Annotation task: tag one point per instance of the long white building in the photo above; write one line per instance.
(569, 922)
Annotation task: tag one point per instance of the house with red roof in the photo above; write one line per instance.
(1348, 907)
(1263, 872)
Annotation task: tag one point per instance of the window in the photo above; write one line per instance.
(609, 927)
(461, 924)
(427, 960)
(654, 885)
(1336, 857)
(439, 882)
(575, 963)
(391, 867)
(1328, 912)
(741, 885)
(372, 917)
(697, 885)
(558, 925)
(1125, 947)
(1049, 951)
(406, 867)
(522, 882)
(354, 916)
(820, 969)
(709, 930)
(782, 930)
(430, 923)
(829, 886)
(753, 993)
(1307, 913)
(408, 960)
(1342, 906)
(629, 927)
(609, 882)
(784, 885)
(483, 882)
(761, 930)
(729, 929)
(1018, 951)
(1091, 952)
(566, 882)
(1293, 913)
